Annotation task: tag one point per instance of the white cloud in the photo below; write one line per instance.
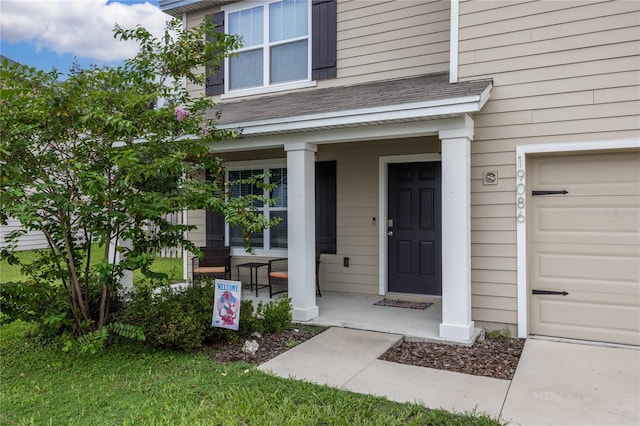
(83, 28)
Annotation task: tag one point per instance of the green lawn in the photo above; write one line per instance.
(170, 266)
(132, 385)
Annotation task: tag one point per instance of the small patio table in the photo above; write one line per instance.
(253, 271)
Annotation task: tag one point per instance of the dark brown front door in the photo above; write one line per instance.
(414, 228)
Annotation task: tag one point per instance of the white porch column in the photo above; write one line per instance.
(456, 232)
(126, 281)
(301, 232)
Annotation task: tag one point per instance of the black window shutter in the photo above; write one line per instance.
(323, 39)
(214, 226)
(215, 229)
(215, 79)
(326, 206)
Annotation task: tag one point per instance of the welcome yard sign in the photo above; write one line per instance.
(226, 304)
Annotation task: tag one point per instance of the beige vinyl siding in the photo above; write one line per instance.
(379, 40)
(563, 71)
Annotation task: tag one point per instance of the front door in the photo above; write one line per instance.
(414, 228)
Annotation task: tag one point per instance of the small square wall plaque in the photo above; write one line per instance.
(490, 177)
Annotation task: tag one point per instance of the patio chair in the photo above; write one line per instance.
(215, 262)
(279, 276)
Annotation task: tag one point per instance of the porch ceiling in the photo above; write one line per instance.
(426, 97)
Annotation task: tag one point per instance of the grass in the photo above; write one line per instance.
(129, 384)
(169, 266)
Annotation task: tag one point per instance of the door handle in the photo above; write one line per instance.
(390, 233)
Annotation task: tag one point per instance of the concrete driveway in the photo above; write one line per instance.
(558, 383)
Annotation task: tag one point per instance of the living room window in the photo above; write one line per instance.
(271, 238)
(274, 241)
(276, 44)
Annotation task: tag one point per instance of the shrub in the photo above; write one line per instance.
(47, 305)
(275, 316)
(181, 318)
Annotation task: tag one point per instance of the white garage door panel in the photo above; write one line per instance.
(583, 267)
(587, 243)
(607, 323)
(589, 174)
(587, 220)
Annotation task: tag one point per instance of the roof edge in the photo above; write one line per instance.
(358, 117)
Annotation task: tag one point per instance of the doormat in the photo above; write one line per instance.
(403, 304)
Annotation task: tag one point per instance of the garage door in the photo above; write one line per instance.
(584, 246)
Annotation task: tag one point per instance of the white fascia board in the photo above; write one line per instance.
(340, 135)
(389, 113)
(485, 96)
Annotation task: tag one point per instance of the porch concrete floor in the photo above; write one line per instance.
(358, 312)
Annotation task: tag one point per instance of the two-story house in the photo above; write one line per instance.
(483, 152)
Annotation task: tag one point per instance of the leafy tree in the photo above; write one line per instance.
(104, 155)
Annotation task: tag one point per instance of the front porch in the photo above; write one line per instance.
(359, 312)
(415, 120)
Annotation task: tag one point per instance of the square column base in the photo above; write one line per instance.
(457, 332)
(306, 314)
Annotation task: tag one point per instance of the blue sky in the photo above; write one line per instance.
(50, 33)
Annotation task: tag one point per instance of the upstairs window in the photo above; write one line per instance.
(276, 44)
(272, 61)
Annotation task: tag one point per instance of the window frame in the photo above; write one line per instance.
(266, 49)
(266, 249)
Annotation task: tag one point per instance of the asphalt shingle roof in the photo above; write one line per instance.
(430, 87)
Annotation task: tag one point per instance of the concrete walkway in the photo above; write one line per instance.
(555, 383)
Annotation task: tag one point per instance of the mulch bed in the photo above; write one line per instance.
(270, 345)
(492, 357)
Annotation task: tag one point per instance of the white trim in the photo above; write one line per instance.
(268, 89)
(485, 96)
(301, 146)
(383, 166)
(374, 131)
(522, 151)
(415, 110)
(453, 41)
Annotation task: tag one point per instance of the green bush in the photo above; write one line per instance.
(275, 316)
(32, 301)
(47, 305)
(181, 318)
(167, 318)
